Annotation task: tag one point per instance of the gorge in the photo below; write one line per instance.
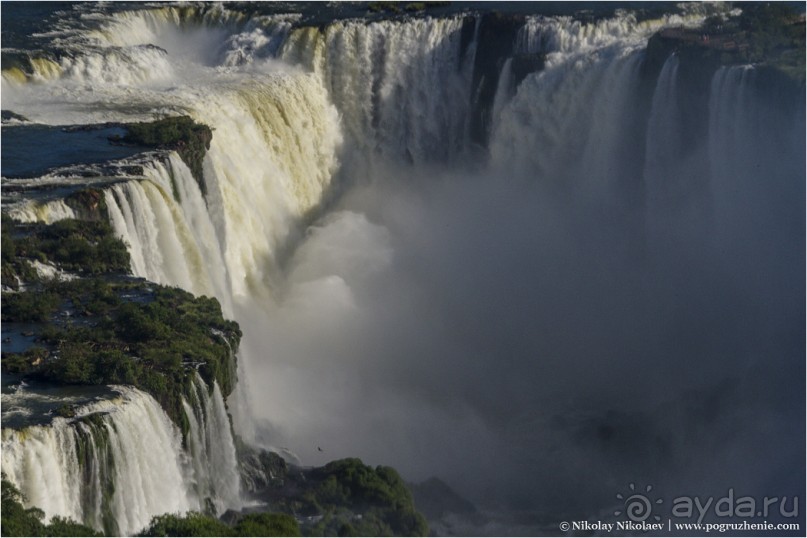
(539, 252)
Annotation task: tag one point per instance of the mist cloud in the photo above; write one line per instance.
(541, 349)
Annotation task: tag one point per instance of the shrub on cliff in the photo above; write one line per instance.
(266, 524)
(191, 524)
(29, 306)
(196, 524)
(73, 245)
(115, 331)
(356, 499)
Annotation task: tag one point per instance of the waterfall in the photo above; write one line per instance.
(120, 461)
(332, 224)
(215, 469)
(127, 66)
(751, 171)
(271, 160)
(733, 144)
(403, 88)
(564, 41)
(114, 467)
(570, 125)
(664, 139)
(164, 222)
(47, 212)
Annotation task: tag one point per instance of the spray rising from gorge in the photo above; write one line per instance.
(539, 266)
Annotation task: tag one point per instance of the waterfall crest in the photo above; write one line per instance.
(403, 89)
(114, 467)
(340, 204)
(121, 461)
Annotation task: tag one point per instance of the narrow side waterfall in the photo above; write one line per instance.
(114, 467)
(121, 461)
(742, 134)
(663, 151)
(212, 451)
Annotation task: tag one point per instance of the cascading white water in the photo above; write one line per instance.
(663, 146)
(403, 89)
(121, 461)
(566, 35)
(271, 160)
(746, 185)
(118, 66)
(48, 212)
(566, 124)
(732, 151)
(167, 244)
(213, 459)
(114, 473)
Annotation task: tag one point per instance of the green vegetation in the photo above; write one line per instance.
(189, 139)
(776, 35)
(266, 524)
(15, 269)
(84, 247)
(411, 7)
(343, 498)
(118, 331)
(153, 344)
(379, 7)
(19, 521)
(165, 132)
(37, 307)
(379, 495)
(191, 524)
(196, 524)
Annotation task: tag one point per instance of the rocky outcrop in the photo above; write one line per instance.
(189, 139)
(88, 204)
(342, 498)
(8, 115)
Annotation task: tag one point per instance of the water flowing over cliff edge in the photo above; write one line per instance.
(541, 256)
